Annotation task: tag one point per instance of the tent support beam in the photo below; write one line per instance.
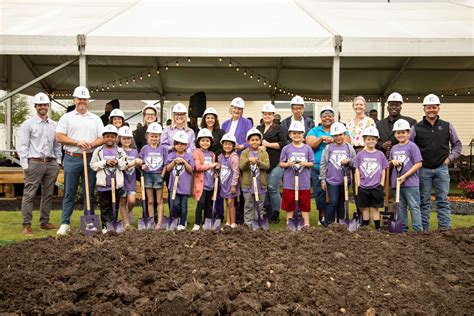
(9, 105)
(162, 106)
(397, 76)
(81, 44)
(276, 78)
(32, 82)
(336, 73)
(32, 68)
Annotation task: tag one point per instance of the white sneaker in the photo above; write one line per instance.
(234, 225)
(196, 227)
(180, 227)
(104, 230)
(63, 229)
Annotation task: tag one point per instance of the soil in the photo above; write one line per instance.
(320, 271)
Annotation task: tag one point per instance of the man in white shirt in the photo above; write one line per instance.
(79, 131)
(40, 158)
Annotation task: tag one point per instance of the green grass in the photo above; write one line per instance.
(11, 222)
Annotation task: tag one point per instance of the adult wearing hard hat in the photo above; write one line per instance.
(274, 139)
(318, 137)
(210, 121)
(387, 136)
(440, 146)
(297, 108)
(79, 131)
(179, 123)
(40, 157)
(238, 125)
(149, 113)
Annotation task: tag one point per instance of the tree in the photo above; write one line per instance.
(55, 116)
(20, 110)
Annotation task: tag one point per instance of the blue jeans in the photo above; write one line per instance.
(180, 208)
(273, 196)
(318, 193)
(410, 198)
(336, 202)
(73, 170)
(439, 178)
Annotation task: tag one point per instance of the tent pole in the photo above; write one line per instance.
(9, 108)
(336, 72)
(162, 105)
(81, 44)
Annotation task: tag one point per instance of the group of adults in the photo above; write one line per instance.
(80, 130)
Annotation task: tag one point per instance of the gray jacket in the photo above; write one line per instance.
(98, 164)
(323, 169)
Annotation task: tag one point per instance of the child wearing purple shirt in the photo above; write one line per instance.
(154, 156)
(406, 156)
(180, 164)
(335, 161)
(370, 165)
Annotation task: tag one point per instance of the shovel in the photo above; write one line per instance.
(173, 221)
(354, 224)
(89, 221)
(395, 225)
(346, 220)
(114, 225)
(259, 222)
(145, 222)
(297, 222)
(213, 223)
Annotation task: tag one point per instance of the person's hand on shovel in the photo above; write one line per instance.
(252, 160)
(396, 163)
(217, 166)
(83, 145)
(111, 162)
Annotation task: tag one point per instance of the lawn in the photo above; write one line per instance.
(11, 222)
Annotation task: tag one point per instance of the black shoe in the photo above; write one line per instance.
(275, 218)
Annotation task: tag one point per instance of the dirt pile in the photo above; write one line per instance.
(320, 271)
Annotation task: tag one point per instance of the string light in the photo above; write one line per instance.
(102, 89)
(113, 84)
(108, 87)
(230, 63)
(189, 59)
(157, 71)
(149, 75)
(120, 83)
(133, 79)
(251, 75)
(220, 58)
(245, 72)
(166, 67)
(265, 83)
(456, 93)
(126, 81)
(469, 91)
(442, 94)
(96, 89)
(177, 62)
(238, 69)
(141, 77)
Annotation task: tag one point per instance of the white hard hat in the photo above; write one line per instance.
(109, 129)
(204, 132)
(268, 107)
(401, 125)
(81, 93)
(117, 112)
(337, 128)
(253, 131)
(296, 126)
(229, 138)
(297, 100)
(181, 137)
(149, 106)
(238, 103)
(41, 98)
(395, 97)
(371, 131)
(431, 99)
(326, 108)
(125, 131)
(180, 108)
(154, 128)
(209, 111)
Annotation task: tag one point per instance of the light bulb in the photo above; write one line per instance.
(469, 91)
(141, 77)
(189, 59)
(230, 63)
(133, 79)
(245, 72)
(157, 71)
(120, 83)
(251, 76)
(177, 63)
(166, 68)
(149, 74)
(220, 58)
(238, 69)
(126, 81)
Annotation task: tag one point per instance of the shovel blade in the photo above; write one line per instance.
(150, 223)
(142, 225)
(115, 226)
(395, 227)
(173, 223)
(255, 225)
(264, 223)
(90, 224)
(295, 224)
(165, 221)
(353, 225)
(342, 221)
(216, 226)
(207, 224)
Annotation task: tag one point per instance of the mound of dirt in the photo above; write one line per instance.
(321, 271)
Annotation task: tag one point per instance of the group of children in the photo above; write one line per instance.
(236, 172)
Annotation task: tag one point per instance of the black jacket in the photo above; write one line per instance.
(139, 135)
(385, 127)
(216, 146)
(308, 124)
(276, 134)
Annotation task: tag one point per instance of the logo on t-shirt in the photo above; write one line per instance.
(336, 158)
(153, 162)
(225, 173)
(401, 156)
(297, 157)
(370, 168)
(208, 161)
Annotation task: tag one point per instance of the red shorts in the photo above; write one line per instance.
(288, 200)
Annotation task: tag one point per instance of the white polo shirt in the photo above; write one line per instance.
(78, 126)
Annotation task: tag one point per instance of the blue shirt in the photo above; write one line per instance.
(318, 132)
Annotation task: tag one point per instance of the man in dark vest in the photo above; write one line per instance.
(387, 137)
(439, 146)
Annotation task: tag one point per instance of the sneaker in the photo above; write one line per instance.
(227, 224)
(47, 226)
(234, 225)
(63, 229)
(104, 230)
(196, 227)
(180, 227)
(27, 231)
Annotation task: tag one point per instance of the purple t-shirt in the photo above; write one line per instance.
(209, 174)
(259, 182)
(409, 154)
(370, 167)
(225, 176)
(298, 154)
(108, 154)
(184, 182)
(129, 175)
(335, 171)
(153, 158)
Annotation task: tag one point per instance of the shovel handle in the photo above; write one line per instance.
(86, 181)
(255, 188)
(142, 186)
(112, 184)
(346, 189)
(297, 186)
(397, 191)
(175, 187)
(214, 194)
(387, 183)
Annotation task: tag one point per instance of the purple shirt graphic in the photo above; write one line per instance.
(370, 167)
(335, 171)
(108, 154)
(409, 154)
(184, 181)
(226, 175)
(129, 175)
(209, 174)
(259, 182)
(298, 154)
(153, 158)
